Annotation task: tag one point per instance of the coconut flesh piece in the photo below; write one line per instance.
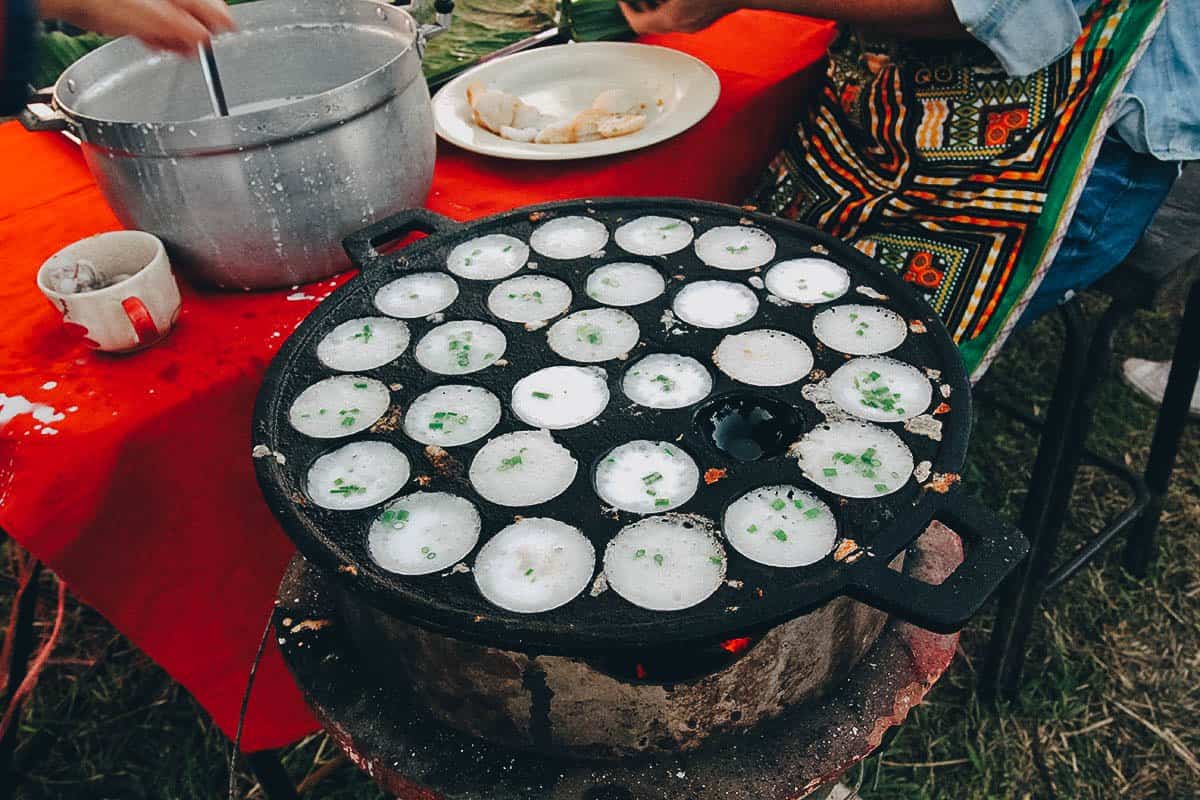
(561, 397)
(807, 280)
(880, 389)
(364, 343)
(715, 304)
(667, 380)
(451, 415)
(854, 459)
(625, 283)
(417, 295)
(423, 532)
(595, 334)
(654, 236)
(357, 475)
(487, 258)
(735, 247)
(665, 563)
(339, 406)
(763, 357)
(534, 565)
(524, 468)
(646, 477)
(566, 238)
(460, 347)
(529, 298)
(860, 330)
(780, 526)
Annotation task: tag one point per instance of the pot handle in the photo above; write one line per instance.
(39, 114)
(362, 246)
(993, 549)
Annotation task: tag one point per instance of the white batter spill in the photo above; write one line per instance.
(569, 237)
(417, 295)
(654, 236)
(764, 357)
(460, 347)
(452, 415)
(488, 258)
(667, 380)
(423, 533)
(854, 459)
(529, 298)
(357, 475)
(595, 334)
(524, 468)
(715, 304)
(735, 247)
(808, 280)
(534, 565)
(561, 397)
(780, 526)
(665, 563)
(339, 406)
(646, 477)
(625, 283)
(364, 343)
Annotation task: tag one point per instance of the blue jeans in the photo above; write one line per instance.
(1118, 201)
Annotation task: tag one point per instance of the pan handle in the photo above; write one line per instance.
(39, 114)
(993, 549)
(362, 246)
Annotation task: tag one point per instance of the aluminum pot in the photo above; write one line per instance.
(330, 129)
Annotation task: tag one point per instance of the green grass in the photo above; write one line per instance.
(105, 722)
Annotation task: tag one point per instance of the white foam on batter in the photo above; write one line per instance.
(665, 563)
(654, 236)
(488, 258)
(667, 380)
(595, 334)
(764, 357)
(646, 477)
(423, 532)
(364, 343)
(735, 247)
(523, 468)
(625, 283)
(534, 565)
(860, 330)
(807, 280)
(780, 526)
(566, 238)
(529, 298)
(453, 414)
(339, 406)
(854, 459)
(417, 295)
(880, 389)
(460, 347)
(561, 397)
(357, 475)
(715, 304)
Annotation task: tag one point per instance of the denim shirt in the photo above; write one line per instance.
(1159, 111)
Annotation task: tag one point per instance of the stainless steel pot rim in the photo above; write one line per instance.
(302, 117)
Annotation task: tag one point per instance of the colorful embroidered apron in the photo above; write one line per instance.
(931, 159)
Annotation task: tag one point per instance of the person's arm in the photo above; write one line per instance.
(175, 25)
(906, 18)
(1024, 35)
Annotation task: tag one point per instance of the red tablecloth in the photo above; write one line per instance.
(131, 476)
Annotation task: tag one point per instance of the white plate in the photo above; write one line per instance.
(564, 79)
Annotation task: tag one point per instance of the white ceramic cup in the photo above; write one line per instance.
(128, 315)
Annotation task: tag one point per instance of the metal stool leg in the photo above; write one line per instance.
(18, 663)
(1141, 547)
(1068, 422)
(272, 777)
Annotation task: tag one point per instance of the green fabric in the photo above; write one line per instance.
(1137, 26)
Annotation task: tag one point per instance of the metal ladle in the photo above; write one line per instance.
(212, 78)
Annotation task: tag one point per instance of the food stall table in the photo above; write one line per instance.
(131, 476)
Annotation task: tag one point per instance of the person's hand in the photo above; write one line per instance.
(668, 16)
(175, 25)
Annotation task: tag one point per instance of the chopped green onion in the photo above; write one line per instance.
(662, 502)
(541, 395)
(658, 559)
(778, 504)
(779, 534)
(812, 513)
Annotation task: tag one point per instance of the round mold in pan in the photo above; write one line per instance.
(755, 597)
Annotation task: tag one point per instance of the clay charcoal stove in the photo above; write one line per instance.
(610, 478)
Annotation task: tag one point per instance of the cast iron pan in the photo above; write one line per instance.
(758, 597)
